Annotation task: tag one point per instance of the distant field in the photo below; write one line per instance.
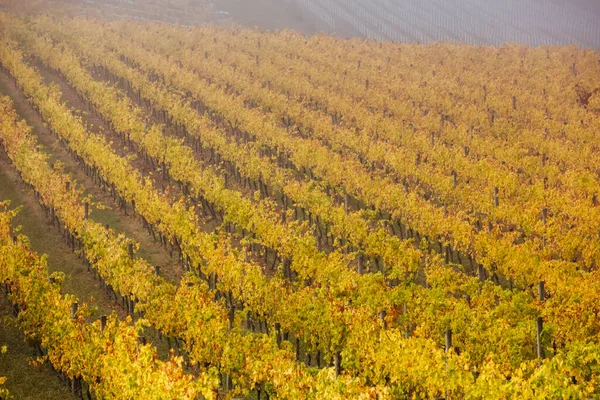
(482, 22)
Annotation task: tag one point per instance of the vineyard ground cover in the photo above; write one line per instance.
(225, 130)
(354, 204)
(44, 236)
(272, 192)
(91, 120)
(45, 240)
(24, 381)
(98, 126)
(204, 157)
(112, 215)
(466, 265)
(208, 224)
(69, 94)
(157, 255)
(527, 333)
(78, 122)
(135, 229)
(122, 145)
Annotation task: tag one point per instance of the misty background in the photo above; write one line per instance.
(486, 22)
(482, 22)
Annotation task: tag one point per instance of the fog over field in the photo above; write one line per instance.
(482, 22)
(487, 22)
(473, 21)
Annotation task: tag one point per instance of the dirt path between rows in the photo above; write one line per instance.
(44, 237)
(113, 216)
